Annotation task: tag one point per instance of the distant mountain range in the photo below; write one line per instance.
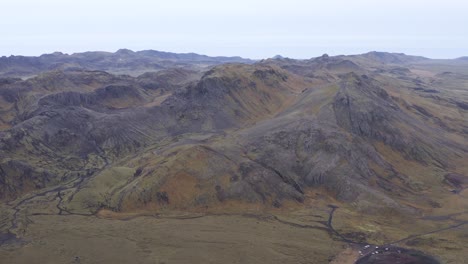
(123, 60)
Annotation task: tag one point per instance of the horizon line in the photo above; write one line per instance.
(227, 56)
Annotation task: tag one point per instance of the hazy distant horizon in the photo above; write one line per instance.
(223, 55)
(251, 29)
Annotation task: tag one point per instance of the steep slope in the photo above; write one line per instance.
(282, 155)
(89, 129)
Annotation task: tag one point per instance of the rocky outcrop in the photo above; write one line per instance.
(366, 110)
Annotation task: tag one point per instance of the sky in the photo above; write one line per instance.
(249, 28)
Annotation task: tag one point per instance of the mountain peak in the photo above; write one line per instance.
(124, 51)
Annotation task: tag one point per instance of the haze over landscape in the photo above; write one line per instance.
(252, 29)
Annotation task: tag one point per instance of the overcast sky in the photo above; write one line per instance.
(248, 28)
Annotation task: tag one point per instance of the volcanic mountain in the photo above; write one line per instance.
(355, 150)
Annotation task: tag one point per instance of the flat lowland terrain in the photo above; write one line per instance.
(320, 234)
(207, 239)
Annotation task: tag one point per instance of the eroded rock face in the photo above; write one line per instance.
(108, 97)
(365, 109)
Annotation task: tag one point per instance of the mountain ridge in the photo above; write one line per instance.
(145, 60)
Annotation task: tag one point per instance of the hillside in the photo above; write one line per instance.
(274, 158)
